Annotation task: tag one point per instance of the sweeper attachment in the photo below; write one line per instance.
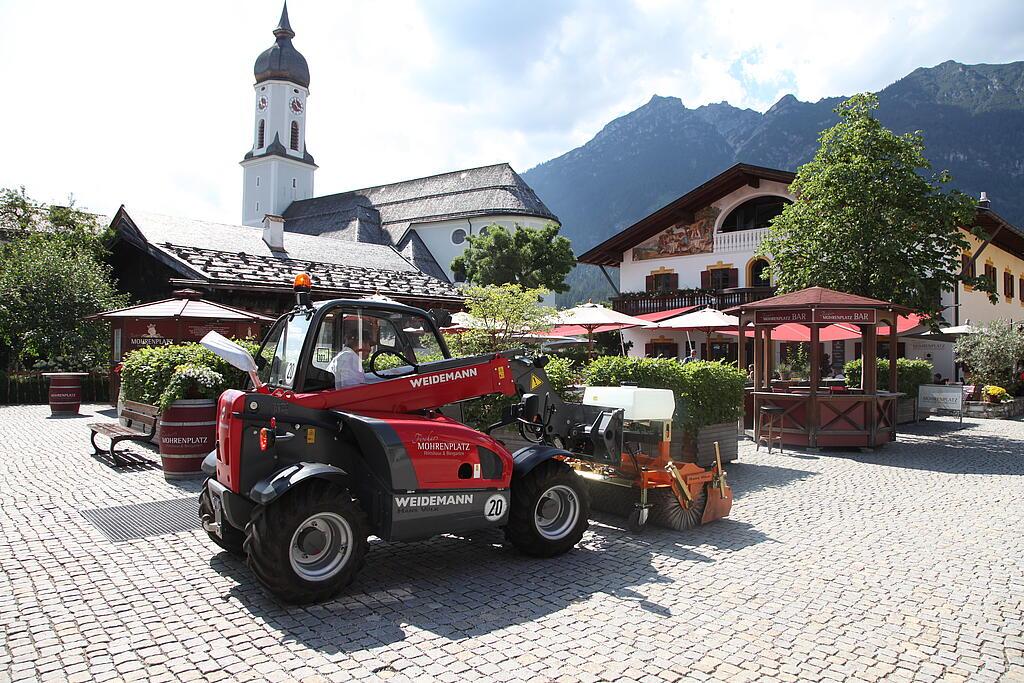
(621, 441)
(348, 432)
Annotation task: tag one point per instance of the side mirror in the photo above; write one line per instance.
(233, 353)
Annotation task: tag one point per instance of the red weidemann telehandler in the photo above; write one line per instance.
(347, 433)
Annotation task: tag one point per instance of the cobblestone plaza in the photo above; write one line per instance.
(901, 564)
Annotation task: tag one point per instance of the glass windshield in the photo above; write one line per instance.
(279, 355)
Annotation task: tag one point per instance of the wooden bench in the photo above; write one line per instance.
(135, 414)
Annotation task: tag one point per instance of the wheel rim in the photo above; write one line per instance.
(320, 546)
(557, 512)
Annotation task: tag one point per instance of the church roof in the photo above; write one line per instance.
(487, 190)
(281, 61)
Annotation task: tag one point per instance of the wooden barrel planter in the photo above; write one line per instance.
(187, 434)
(65, 392)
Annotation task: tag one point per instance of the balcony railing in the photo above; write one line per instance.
(652, 302)
(740, 240)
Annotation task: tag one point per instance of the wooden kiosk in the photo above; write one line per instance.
(812, 416)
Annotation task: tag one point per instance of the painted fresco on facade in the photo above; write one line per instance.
(682, 239)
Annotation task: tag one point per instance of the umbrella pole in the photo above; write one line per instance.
(622, 343)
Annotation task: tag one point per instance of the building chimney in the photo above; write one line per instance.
(984, 203)
(273, 231)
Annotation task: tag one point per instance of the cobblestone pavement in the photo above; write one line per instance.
(902, 564)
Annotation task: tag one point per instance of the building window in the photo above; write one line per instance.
(295, 136)
(257, 181)
(754, 213)
(661, 349)
(759, 274)
(968, 267)
(257, 207)
(662, 282)
(1008, 285)
(720, 278)
(1020, 288)
(458, 236)
(990, 275)
(261, 134)
(293, 183)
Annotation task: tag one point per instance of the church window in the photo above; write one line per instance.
(261, 134)
(458, 236)
(295, 136)
(257, 207)
(293, 183)
(257, 181)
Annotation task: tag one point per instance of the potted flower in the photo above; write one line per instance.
(188, 425)
(994, 394)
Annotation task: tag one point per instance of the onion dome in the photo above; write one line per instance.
(281, 61)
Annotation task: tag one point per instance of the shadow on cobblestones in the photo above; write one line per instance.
(951, 449)
(467, 587)
(746, 478)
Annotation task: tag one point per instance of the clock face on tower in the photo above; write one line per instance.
(261, 103)
(295, 105)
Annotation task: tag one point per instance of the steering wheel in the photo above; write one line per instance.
(391, 352)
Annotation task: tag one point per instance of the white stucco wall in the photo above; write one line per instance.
(438, 236)
(632, 274)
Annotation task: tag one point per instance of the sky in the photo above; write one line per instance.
(151, 105)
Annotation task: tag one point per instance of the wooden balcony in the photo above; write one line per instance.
(652, 302)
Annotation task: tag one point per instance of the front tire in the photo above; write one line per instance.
(231, 538)
(309, 544)
(550, 510)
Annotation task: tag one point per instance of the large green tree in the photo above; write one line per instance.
(51, 276)
(525, 256)
(871, 218)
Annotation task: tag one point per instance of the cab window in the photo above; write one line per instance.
(278, 358)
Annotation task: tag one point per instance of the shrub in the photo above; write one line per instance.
(562, 374)
(995, 355)
(706, 392)
(147, 372)
(910, 374)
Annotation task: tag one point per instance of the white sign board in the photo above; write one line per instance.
(941, 397)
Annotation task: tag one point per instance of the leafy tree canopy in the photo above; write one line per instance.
(501, 313)
(51, 277)
(868, 221)
(525, 256)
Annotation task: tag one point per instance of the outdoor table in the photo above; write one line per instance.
(65, 392)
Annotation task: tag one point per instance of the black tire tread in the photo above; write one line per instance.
(234, 538)
(269, 535)
(526, 490)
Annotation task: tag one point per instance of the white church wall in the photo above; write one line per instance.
(438, 236)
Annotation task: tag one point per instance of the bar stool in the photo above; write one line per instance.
(773, 416)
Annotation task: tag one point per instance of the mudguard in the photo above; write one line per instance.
(525, 459)
(273, 487)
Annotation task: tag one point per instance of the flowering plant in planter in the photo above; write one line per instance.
(191, 381)
(994, 394)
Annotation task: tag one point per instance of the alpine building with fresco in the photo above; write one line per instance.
(701, 251)
(395, 240)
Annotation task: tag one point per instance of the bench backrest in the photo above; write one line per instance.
(142, 413)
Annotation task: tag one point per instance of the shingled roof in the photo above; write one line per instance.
(488, 190)
(236, 256)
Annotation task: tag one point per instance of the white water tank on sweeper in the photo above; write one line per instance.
(639, 403)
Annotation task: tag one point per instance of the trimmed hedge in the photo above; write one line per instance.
(910, 374)
(148, 372)
(706, 392)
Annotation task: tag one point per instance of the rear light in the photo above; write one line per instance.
(267, 438)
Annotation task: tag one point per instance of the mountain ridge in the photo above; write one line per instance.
(972, 117)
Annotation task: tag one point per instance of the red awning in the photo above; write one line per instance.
(657, 316)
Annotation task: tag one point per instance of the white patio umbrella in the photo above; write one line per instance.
(948, 334)
(708, 321)
(590, 316)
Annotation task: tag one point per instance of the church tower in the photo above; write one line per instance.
(278, 169)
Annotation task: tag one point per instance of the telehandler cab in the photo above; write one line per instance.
(348, 433)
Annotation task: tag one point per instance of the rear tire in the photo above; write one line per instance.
(549, 511)
(233, 537)
(309, 544)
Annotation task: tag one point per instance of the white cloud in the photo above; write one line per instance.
(150, 104)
